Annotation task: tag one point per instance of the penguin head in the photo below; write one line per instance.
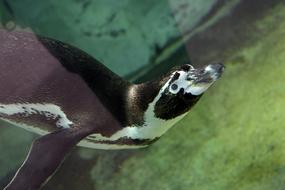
(183, 88)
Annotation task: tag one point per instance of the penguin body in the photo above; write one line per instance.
(48, 85)
(60, 92)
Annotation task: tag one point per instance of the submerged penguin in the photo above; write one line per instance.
(60, 92)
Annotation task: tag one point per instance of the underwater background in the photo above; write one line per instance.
(234, 138)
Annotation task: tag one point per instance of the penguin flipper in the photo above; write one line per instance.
(45, 156)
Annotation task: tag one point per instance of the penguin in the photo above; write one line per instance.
(69, 98)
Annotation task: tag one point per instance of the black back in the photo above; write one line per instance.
(109, 87)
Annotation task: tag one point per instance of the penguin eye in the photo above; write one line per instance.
(174, 86)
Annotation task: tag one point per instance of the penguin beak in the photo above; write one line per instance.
(208, 74)
(201, 79)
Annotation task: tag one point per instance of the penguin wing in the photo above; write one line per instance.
(45, 156)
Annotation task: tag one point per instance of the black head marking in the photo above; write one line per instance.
(186, 67)
(170, 106)
(175, 77)
(184, 89)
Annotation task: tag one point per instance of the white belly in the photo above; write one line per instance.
(84, 143)
(153, 127)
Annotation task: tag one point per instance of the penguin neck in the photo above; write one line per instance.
(143, 98)
(140, 97)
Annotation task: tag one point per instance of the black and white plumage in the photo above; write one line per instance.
(60, 92)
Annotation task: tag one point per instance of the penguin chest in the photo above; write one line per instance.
(133, 136)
